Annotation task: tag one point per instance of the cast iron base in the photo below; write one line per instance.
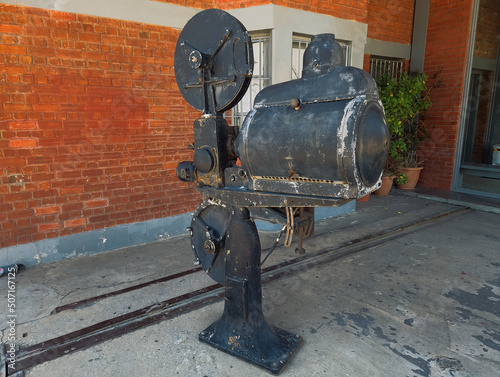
(265, 346)
(242, 330)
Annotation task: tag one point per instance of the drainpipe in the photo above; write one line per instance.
(419, 37)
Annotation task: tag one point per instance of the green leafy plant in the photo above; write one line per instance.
(402, 178)
(405, 101)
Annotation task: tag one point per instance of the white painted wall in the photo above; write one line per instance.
(284, 22)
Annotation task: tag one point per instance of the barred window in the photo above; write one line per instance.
(261, 43)
(299, 45)
(381, 66)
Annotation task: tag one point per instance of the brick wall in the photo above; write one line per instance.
(446, 52)
(391, 20)
(91, 124)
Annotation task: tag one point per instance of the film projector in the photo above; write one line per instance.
(319, 141)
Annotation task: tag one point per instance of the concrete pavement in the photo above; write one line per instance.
(404, 286)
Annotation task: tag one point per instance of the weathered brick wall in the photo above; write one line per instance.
(391, 20)
(446, 52)
(91, 124)
(488, 29)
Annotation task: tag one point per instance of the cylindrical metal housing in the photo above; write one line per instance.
(334, 144)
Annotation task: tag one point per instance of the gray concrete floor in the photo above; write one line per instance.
(409, 287)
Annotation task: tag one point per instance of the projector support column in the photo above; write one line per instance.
(242, 330)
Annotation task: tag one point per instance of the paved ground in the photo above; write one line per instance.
(405, 286)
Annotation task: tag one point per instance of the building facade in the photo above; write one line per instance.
(92, 124)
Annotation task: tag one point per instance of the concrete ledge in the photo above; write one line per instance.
(387, 49)
(146, 11)
(476, 202)
(96, 241)
(484, 64)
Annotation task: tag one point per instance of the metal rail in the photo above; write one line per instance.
(87, 301)
(87, 337)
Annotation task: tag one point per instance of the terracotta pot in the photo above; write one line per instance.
(363, 198)
(413, 174)
(386, 186)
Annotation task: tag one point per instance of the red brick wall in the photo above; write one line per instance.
(91, 124)
(391, 20)
(366, 62)
(446, 52)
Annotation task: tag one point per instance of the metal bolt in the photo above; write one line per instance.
(295, 103)
(210, 247)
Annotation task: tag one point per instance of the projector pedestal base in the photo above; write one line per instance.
(242, 330)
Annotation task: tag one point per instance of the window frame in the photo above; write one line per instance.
(262, 75)
(393, 66)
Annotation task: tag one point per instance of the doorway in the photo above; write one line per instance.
(479, 170)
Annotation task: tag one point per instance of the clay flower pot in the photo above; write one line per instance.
(386, 186)
(413, 174)
(363, 198)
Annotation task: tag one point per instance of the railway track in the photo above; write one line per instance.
(30, 356)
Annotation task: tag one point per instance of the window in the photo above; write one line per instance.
(299, 45)
(261, 42)
(380, 66)
(261, 78)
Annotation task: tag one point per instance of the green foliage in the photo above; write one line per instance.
(402, 178)
(405, 101)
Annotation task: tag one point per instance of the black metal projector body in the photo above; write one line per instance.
(242, 330)
(321, 140)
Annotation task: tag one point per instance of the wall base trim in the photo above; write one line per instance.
(97, 241)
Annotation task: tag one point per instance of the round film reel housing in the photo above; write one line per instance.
(213, 61)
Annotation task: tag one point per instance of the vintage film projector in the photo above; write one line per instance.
(319, 141)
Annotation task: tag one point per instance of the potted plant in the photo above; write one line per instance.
(388, 176)
(405, 101)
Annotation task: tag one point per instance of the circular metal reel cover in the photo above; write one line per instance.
(213, 61)
(372, 143)
(208, 235)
